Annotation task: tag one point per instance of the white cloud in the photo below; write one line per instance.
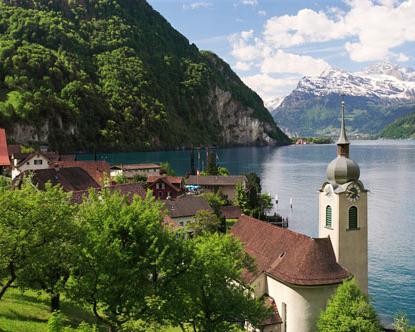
(249, 2)
(367, 30)
(198, 5)
(269, 87)
(262, 12)
(282, 62)
(377, 28)
(243, 66)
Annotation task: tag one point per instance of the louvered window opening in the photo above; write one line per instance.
(328, 216)
(353, 217)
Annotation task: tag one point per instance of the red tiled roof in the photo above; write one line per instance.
(70, 178)
(288, 256)
(95, 168)
(4, 154)
(186, 206)
(231, 212)
(215, 180)
(172, 179)
(126, 189)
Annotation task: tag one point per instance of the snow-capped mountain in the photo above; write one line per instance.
(374, 98)
(272, 104)
(382, 80)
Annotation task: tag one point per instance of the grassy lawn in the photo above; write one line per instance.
(29, 312)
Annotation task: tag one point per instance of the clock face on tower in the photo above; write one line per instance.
(353, 192)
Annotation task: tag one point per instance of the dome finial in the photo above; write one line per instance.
(343, 137)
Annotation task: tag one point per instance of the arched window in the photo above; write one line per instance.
(328, 216)
(353, 217)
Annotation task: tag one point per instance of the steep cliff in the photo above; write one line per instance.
(114, 75)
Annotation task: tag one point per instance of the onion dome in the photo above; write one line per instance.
(342, 169)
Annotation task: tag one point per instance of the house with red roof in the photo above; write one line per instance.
(4, 154)
(164, 186)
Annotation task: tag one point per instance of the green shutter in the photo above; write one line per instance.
(353, 217)
(328, 216)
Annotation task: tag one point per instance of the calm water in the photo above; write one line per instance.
(387, 170)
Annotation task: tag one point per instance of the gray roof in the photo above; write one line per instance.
(186, 206)
(216, 180)
(342, 170)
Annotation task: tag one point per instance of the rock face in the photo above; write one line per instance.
(115, 75)
(374, 97)
(239, 125)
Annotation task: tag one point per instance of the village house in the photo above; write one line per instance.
(69, 178)
(99, 170)
(132, 170)
(183, 209)
(216, 183)
(128, 190)
(165, 187)
(32, 161)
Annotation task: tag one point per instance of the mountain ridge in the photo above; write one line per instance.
(374, 98)
(115, 75)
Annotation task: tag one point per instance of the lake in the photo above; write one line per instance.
(298, 171)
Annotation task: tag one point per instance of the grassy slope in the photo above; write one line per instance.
(29, 311)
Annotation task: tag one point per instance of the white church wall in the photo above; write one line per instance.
(303, 304)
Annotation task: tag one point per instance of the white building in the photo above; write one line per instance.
(300, 273)
(31, 162)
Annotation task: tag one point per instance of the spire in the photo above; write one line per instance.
(343, 143)
(343, 137)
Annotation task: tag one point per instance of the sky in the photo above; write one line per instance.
(272, 44)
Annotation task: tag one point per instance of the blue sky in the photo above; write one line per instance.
(271, 44)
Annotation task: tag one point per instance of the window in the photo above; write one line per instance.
(157, 186)
(328, 216)
(163, 186)
(38, 162)
(353, 217)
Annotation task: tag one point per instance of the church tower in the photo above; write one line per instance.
(343, 211)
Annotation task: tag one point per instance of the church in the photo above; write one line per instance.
(297, 273)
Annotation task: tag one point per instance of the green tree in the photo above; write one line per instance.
(204, 222)
(241, 198)
(34, 226)
(211, 167)
(210, 296)
(223, 171)
(128, 257)
(401, 324)
(349, 310)
(167, 169)
(215, 200)
(50, 268)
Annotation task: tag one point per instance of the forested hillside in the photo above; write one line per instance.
(403, 127)
(114, 75)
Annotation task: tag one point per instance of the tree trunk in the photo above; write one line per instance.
(10, 281)
(55, 302)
